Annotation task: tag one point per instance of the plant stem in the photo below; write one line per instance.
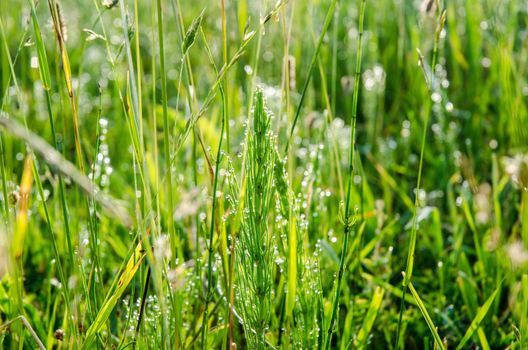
(328, 20)
(412, 239)
(347, 223)
(213, 209)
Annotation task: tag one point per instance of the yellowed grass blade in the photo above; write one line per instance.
(111, 300)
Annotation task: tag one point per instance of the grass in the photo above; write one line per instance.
(265, 175)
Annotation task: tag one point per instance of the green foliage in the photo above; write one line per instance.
(258, 174)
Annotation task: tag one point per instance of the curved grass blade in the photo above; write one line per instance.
(58, 26)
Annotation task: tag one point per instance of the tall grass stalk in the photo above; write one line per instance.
(166, 127)
(328, 20)
(413, 236)
(210, 251)
(58, 26)
(167, 156)
(351, 159)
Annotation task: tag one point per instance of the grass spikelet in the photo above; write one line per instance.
(190, 35)
(62, 22)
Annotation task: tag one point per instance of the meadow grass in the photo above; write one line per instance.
(333, 174)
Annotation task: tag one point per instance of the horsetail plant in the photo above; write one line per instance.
(254, 254)
(299, 323)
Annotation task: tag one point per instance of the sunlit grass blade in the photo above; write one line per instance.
(21, 223)
(58, 27)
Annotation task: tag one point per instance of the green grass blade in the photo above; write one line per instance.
(292, 265)
(428, 320)
(370, 317)
(478, 318)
